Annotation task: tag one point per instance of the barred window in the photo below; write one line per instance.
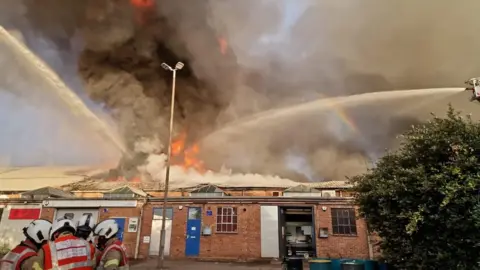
(227, 220)
(343, 221)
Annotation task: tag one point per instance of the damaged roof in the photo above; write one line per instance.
(128, 190)
(96, 185)
(31, 178)
(50, 191)
(331, 184)
(21, 179)
(207, 189)
(302, 189)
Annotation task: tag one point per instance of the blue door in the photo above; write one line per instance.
(121, 225)
(194, 228)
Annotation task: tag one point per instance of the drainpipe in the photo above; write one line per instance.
(139, 231)
(370, 247)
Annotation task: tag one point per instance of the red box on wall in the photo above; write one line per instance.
(28, 213)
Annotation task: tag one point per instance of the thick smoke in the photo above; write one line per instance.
(280, 52)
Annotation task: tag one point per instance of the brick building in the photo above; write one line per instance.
(234, 222)
(236, 228)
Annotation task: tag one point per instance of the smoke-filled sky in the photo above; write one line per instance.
(279, 53)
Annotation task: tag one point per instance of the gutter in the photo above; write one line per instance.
(139, 232)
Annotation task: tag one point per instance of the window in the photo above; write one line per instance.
(227, 220)
(158, 212)
(343, 221)
(276, 194)
(194, 213)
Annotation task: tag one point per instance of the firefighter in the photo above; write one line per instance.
(24, 255)
(65, 250)
(85, 228)
(112, 251)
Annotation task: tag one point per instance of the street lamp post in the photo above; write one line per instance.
(161, 257)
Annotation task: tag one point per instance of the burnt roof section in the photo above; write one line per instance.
(207, 189)
(302, 189)
(96, 185)
(338, 184)
(127, 190)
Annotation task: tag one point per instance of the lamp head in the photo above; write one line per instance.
(165, 66)
(179, 66)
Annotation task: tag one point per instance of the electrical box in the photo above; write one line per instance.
(329, 193)
(207, 230)
(323, 233)
(132, 225)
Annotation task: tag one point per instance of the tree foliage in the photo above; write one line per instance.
(423, 200)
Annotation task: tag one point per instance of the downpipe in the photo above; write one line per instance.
(139, 231)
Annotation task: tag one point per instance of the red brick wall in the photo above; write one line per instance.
(48, 213)
(243, 245)
(146, 230)
(336, 246)
(129, 238)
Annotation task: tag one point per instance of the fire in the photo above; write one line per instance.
(143, 10)
(143, 3)
(186, 157)
(223, 45)
(136, 179)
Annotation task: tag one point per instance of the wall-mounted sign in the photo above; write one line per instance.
(146, 239)
(209, 213)
(24, 213)
(132, 224)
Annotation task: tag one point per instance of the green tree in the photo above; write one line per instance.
(423, 200)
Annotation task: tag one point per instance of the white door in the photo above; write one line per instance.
(155, 237)
(156, 229)
(269, 232)
(76, 214)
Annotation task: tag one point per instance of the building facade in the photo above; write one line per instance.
(230, 228)
(241, 223)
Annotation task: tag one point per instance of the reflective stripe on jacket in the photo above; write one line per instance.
(67, 253)
(14, 259)
(118, 246)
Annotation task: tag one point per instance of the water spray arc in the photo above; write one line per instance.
(161, 257)
(59, 88)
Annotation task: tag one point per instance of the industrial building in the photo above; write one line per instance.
(205, 221)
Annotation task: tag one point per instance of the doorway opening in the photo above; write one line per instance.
(297, 233)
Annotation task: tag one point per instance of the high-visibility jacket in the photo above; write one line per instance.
(13, 260)
(68, 252)
(118, 246)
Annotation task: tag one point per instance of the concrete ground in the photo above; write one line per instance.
(196, 265)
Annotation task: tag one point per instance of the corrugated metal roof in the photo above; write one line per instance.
(49, 191)
(31, 178)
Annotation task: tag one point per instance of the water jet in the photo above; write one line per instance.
(337, 135)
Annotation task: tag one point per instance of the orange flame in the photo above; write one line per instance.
(136, 179)
(143, 10)
(142, 3)
(186, 157)
(223, 45)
